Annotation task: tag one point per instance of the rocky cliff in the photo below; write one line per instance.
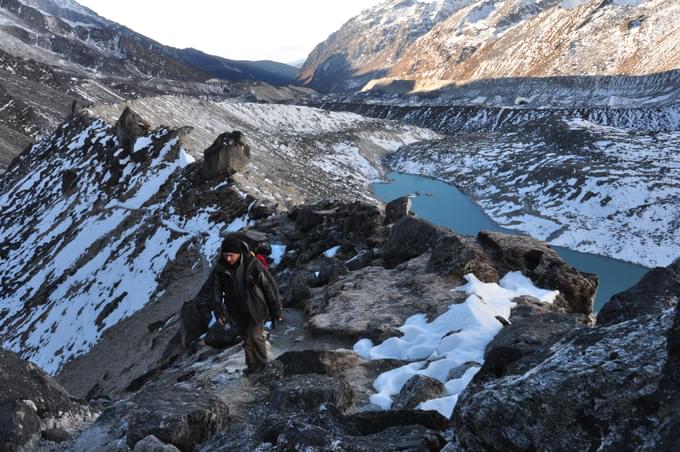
(465, 41)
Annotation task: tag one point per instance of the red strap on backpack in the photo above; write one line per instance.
(263, 260)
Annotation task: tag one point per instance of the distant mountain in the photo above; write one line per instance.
(66, 34)
(222, 68)
(467, 40)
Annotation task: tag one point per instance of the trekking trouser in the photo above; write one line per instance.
(255, 346)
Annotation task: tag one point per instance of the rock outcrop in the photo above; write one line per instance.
(227, 155)
(552, 384)
(129, 127)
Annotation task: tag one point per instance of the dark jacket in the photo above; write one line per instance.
(248, 289)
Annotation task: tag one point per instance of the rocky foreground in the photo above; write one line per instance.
(551, 379)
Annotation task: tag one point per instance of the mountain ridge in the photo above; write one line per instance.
(487, 39)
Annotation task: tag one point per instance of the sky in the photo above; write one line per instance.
(284, 31)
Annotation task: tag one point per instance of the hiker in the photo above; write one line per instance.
(246, 295)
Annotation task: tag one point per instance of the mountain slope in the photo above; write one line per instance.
(486, 39)
(90, 235)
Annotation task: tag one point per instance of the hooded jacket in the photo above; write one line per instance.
(248, 288)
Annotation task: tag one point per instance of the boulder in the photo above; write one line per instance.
(456, 255)
(326, 270)
(534, 326)
(397, 208)
(56, 435)
(31, 400)
(227, 155)
(418, 388)
(406, 438)
(410, 237)
(542, 264)
(368, 422)
(356, 306)
(129, 127)
(153, 444)
(177, 416)
(326, 224)
(237, 436)
(307, 392)
(297, 291)
(333, 363)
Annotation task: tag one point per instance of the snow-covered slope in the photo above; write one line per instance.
(488, 39)
(588, 187)
(88, 236)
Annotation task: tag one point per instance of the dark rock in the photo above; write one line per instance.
(397, 208)
(262, 210)
(57, 435)
(308, 218)
(153, 444)
(297, 291)
(19, 422)
(220, 336)
(363, 259)
(418, 388)
(30, 398)
(293, 435)
(307, 392)
(367, 422)
(129, 127)
(68, 182)
(227, 155)
(333, 363)
(613, 386)
(402, 438)
(237, 436)
(326, 270)
(455, 255)
(326, 224)
(534, 327)
(635, 302)
(537, 261)
(179, 416)
(410, 237)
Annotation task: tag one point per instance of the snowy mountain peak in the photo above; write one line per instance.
(470, 40)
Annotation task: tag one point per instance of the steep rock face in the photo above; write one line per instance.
(474, 40)
(576, 389)
(32, 402)
(115, 221)
(386, 31)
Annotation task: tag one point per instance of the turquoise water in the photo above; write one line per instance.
(445, 205)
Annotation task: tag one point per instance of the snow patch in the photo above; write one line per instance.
(456, 338)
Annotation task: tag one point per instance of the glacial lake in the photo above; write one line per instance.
(443, 204)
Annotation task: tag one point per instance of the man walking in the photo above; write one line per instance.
(246, 295)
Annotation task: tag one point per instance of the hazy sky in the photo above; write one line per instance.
(285, 30)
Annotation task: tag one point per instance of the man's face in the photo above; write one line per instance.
(231, 258)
